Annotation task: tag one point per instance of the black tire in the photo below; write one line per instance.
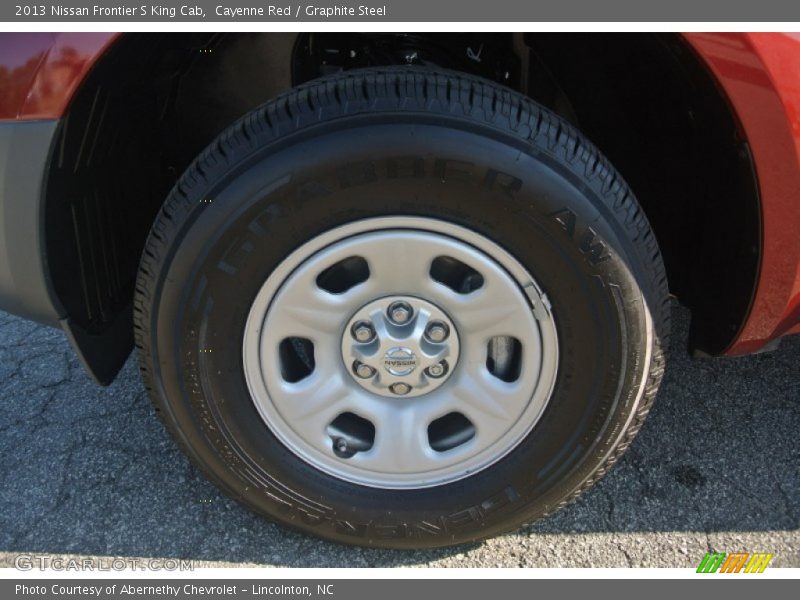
(295, 168)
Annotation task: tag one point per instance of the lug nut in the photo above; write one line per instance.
(400, 312)
(400, 388)
(362, 370)
(437, 331)
(438, 370)
(363, 331)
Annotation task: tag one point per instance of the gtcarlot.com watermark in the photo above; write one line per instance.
(43, 562)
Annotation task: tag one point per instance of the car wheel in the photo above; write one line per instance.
(402, 308)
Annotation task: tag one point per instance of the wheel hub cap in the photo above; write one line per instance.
(402, 358)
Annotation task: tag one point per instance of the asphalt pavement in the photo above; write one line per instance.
(86, 470)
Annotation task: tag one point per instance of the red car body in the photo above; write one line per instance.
(759, 74)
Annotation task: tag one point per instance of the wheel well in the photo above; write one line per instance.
(156, 100)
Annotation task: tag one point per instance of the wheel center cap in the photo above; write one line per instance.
(400, 361)
(400, 347)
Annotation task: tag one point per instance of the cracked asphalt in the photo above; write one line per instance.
(87, 470)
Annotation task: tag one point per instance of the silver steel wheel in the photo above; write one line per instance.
(400, 352)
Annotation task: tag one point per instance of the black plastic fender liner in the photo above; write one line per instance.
(103, 355)
(26, 288)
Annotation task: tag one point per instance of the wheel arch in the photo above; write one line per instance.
(154, 101)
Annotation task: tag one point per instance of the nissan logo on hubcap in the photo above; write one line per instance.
(400, 361)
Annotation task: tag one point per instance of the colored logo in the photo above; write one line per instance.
(738, 562)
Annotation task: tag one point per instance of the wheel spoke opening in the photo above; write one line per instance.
(344, 275)
(458, 276)
(504, 358)
(450, 431)
(350, 434)
(296, 355)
